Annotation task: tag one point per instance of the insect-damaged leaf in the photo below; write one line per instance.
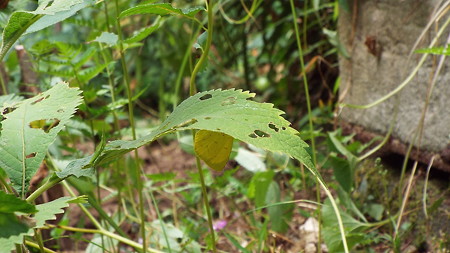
(225, 111)
(29, 127)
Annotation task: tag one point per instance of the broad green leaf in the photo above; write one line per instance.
(214, 148)
(10, 204)
(435, 50)
(226, 111)
(23, 22)
(29, 127)
(160, 9)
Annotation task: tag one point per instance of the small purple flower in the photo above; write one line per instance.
(219, 225)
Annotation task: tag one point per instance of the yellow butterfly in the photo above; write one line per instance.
(213, 148)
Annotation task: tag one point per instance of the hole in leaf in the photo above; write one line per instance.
(40, 99)
(8, 110)
(260, 133)
(60, 110)
(229, 101)
(31, 155)
(283, 128)
(207, 118)
(272, 126)
(218, 129)
(206, 96)
(45, 124)
(252, 135)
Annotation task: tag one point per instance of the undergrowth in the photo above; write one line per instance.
(138, 116)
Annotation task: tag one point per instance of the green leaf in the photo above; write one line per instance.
(259, 186)
(22, 22)
(160, 9)
(333, 38)
(30, 128)
(47, 211)
(59, 11)
(435, 50)
(12, 231)
(279, 214)
(109, 39)
(354, 229)
(229, 112)
(10, 204)
(142, 33)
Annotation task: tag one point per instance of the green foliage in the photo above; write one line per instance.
(29, 127)
(22, 22)
(228, 112)
(160, 9)
(15, 227)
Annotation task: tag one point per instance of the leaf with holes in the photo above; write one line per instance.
(29, 127)
(225, 111)
(213, 148)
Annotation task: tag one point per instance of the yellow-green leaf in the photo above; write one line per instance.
(213, 148)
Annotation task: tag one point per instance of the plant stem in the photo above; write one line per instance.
(36, 246)
(3, 183)
(160, 218)
(206, 201)
(2, 82)
(193, 87)
(405, 200)
(310, 116)
(52, 181)
(139, 184)
(192, 91)
(38, 236)
(108, 234)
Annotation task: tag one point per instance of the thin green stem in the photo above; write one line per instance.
(52, 181)
(36, 246)
(206, 202)
(183, 66)
(193, 87)
(161, 221)
(82, 207)
(2, 82)
(132, 125)
(425, 187)
(192, 91)
(5, 184)
(405, 200)
(108, 234)
(310, 116)
(38, 236)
